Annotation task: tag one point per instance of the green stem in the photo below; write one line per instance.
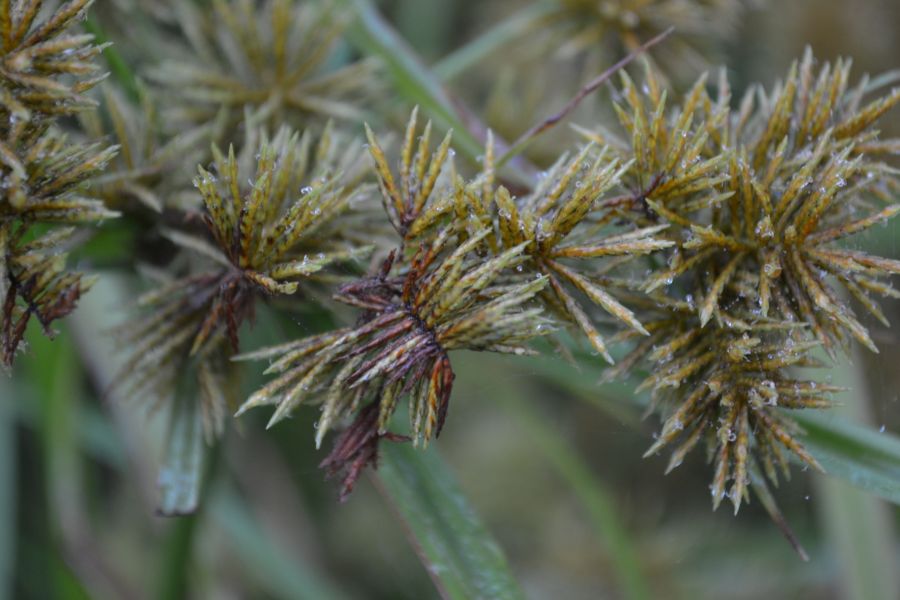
(178, 549)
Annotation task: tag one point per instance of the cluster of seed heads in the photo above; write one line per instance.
(706, 235)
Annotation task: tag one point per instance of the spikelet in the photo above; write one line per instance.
(416, 199)
(757, 200)
(446, 299)
(560, 224)
(46, 71)
(264, 239)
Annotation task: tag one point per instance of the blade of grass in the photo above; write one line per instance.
(176, 553)
(372, 34)
(8, 496)
(865, 458)
(461, 556)
(428, 26)
(117, 65)
(58, 414)
(59, 399)
(180, 473)
(858, 525)
(507, 31)
(596, 498)
(265, 562)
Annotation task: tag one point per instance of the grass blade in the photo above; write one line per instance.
(181, 473)
(373, 34)
(413, 79)
(8, 498)
(857, 525)
(516, 26)
(266, 564)
(865, 458)
(460, 555)
(599, 501)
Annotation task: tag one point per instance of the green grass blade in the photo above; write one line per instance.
(472, 53)
(181, 472)
(175, 558)
(117, 65)
(599, 501)
(59, 411)
(266, 564)
(858, 525)
(413, 79)
(461, 556)
(374, 35)
(8, 489)
(865, 458)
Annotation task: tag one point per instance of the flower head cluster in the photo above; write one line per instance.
(263, 239)
(561, 224)
(442, 290)
(758, 201)
(269, 58)
(44, 72)
(473, 269)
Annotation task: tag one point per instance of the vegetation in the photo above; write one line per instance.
(698, 246)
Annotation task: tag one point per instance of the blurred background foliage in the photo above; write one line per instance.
(549, 461)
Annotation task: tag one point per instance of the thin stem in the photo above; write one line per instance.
(526, 138)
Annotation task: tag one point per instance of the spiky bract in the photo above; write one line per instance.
(44, 73)
(264, 239)
(447, 299)
(559, 224)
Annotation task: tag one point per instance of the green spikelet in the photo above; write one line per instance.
(264, 238)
